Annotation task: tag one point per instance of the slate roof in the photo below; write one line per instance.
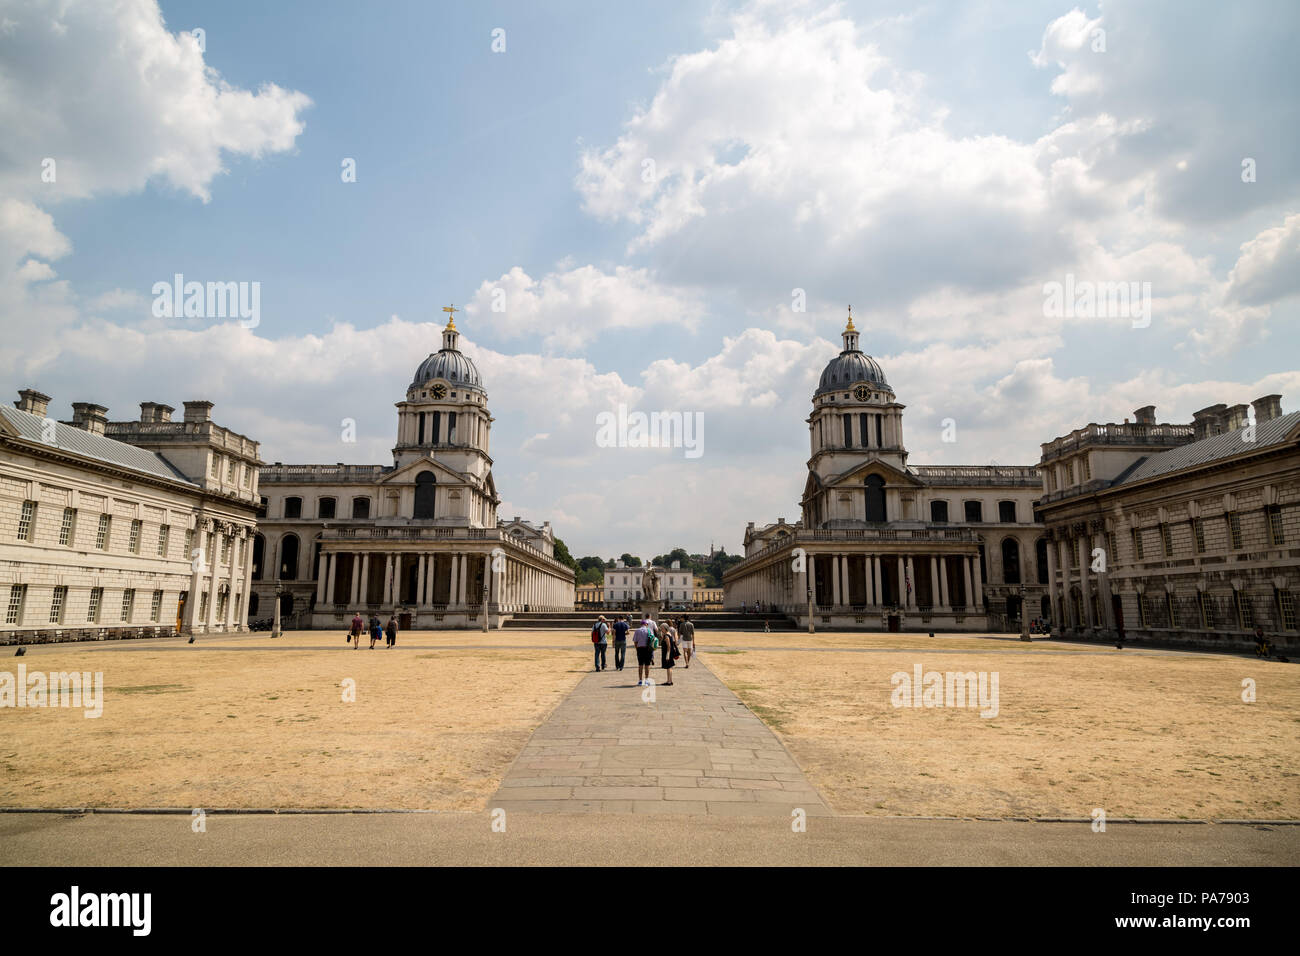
(1208, 450)
(99, 447)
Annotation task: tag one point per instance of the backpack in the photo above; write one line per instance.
(595, 634)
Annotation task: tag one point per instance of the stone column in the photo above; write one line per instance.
(464, 574)
(248, 571)
(420, 580)
(835, 579)
(902, 585)
(1055, 602)
(451, 588)
(977, 595)
(911, 576)
(875, 580)
(970, 592)
(1085, 586)
(943, 583)
(868, 594)
(332, 568)
(322, 575)
(934, 582)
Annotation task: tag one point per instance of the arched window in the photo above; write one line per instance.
(259, 555)
(426, 492)
(875, 498)
(1040, 555)
(360, 507)
(939, 512)
(293, 507)
(315, 559)
(289, 558)
(1010, 561)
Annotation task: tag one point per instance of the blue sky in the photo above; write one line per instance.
(932, 164)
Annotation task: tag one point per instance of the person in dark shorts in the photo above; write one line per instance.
(645, 655)
(392, 630)
(668, 649)
(620, 641)
(358, 626)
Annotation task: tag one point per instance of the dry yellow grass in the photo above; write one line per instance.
(265, 726)
(1135, 733)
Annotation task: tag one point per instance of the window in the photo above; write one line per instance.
(1144, 612)
(1040, 558)
(128, 605)
(92, 610)
(875, 502)
(230, 470)
(248, 474)
(164, 536)
(1207, 613)
(57, 603)
(222, 597)
(1072, 548)
(325, 508)
(426, 495)
(848, 430)
(1069, 471)
(1050, 473)
(1137, 544)
(26, 520)
(437, 428)
(862, 429)
(67, 530)
(1010, 561)
(133, 545)
(102, 535)
(225, 548)
(1273, 516)
(203, 606)
(360, 508)
(939, 512)
(1286, 608)
(974, 511)
(1111, 553)
(17, 595)
(1234, 529)
(214, 466)
(1167, 539)
(1007, 512)
(451, 428)
(189, 544)
(1245, 616)
(1198, 533)
(1087, 468)
(209, 547)
(293, 507)
(1169, 609)
(155, 606)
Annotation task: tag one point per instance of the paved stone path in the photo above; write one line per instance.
(693, 748)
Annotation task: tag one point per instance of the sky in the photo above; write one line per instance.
(665, 207)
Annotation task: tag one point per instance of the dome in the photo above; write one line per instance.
(847, 369)
(451, 365)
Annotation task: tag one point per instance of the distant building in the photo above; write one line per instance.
(885, 544)
(1185, 533)
(123, 529)
(623, 585)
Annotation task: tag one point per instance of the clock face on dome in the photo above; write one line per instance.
(861, 393)
(440, 391)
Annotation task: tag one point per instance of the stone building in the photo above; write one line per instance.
(123, 529)
(419, 538)
(623, 585)
(1179, 533)
(885, 544)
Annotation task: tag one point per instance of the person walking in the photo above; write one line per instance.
(645, 655)
(357, 626)
(669, 651)
(687, 635)
(392, 630)
(620, 641)
(376, 630)
(600, 639)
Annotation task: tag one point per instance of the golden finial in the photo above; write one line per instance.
(849, 327)
(451, 311)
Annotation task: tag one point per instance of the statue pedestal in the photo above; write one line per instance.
(652, 608)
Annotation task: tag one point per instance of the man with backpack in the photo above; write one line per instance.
(599, 637)
(620, 641)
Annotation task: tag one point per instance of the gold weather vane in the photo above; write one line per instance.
(850, 327)
(451, 311)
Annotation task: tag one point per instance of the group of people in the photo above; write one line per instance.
(376, 630)
(675, 639)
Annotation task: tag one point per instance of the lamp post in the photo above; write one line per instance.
(275, 627)
(1024, 616)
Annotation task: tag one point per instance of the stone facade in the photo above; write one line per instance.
(123, 529)
(882, 544)
(1177, 533)
(420, 538)
(623, 586)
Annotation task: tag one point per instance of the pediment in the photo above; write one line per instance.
(406, 474)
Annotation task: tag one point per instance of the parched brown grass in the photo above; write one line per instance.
(1136, 733)
(250, 722)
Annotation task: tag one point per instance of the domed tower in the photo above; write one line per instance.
(856, 420)
(445, 418)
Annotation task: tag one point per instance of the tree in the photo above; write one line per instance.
(562, 555)
(630, 561)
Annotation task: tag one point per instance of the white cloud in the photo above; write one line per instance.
(1269, 266)
(116, 100)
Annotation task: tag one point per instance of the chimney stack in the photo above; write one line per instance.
(38, 403)
(199, 411)
(1208, 421)
(1267, 408)
(1236, 417)
(89, 417)
(155, 412)
(1146, 415)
